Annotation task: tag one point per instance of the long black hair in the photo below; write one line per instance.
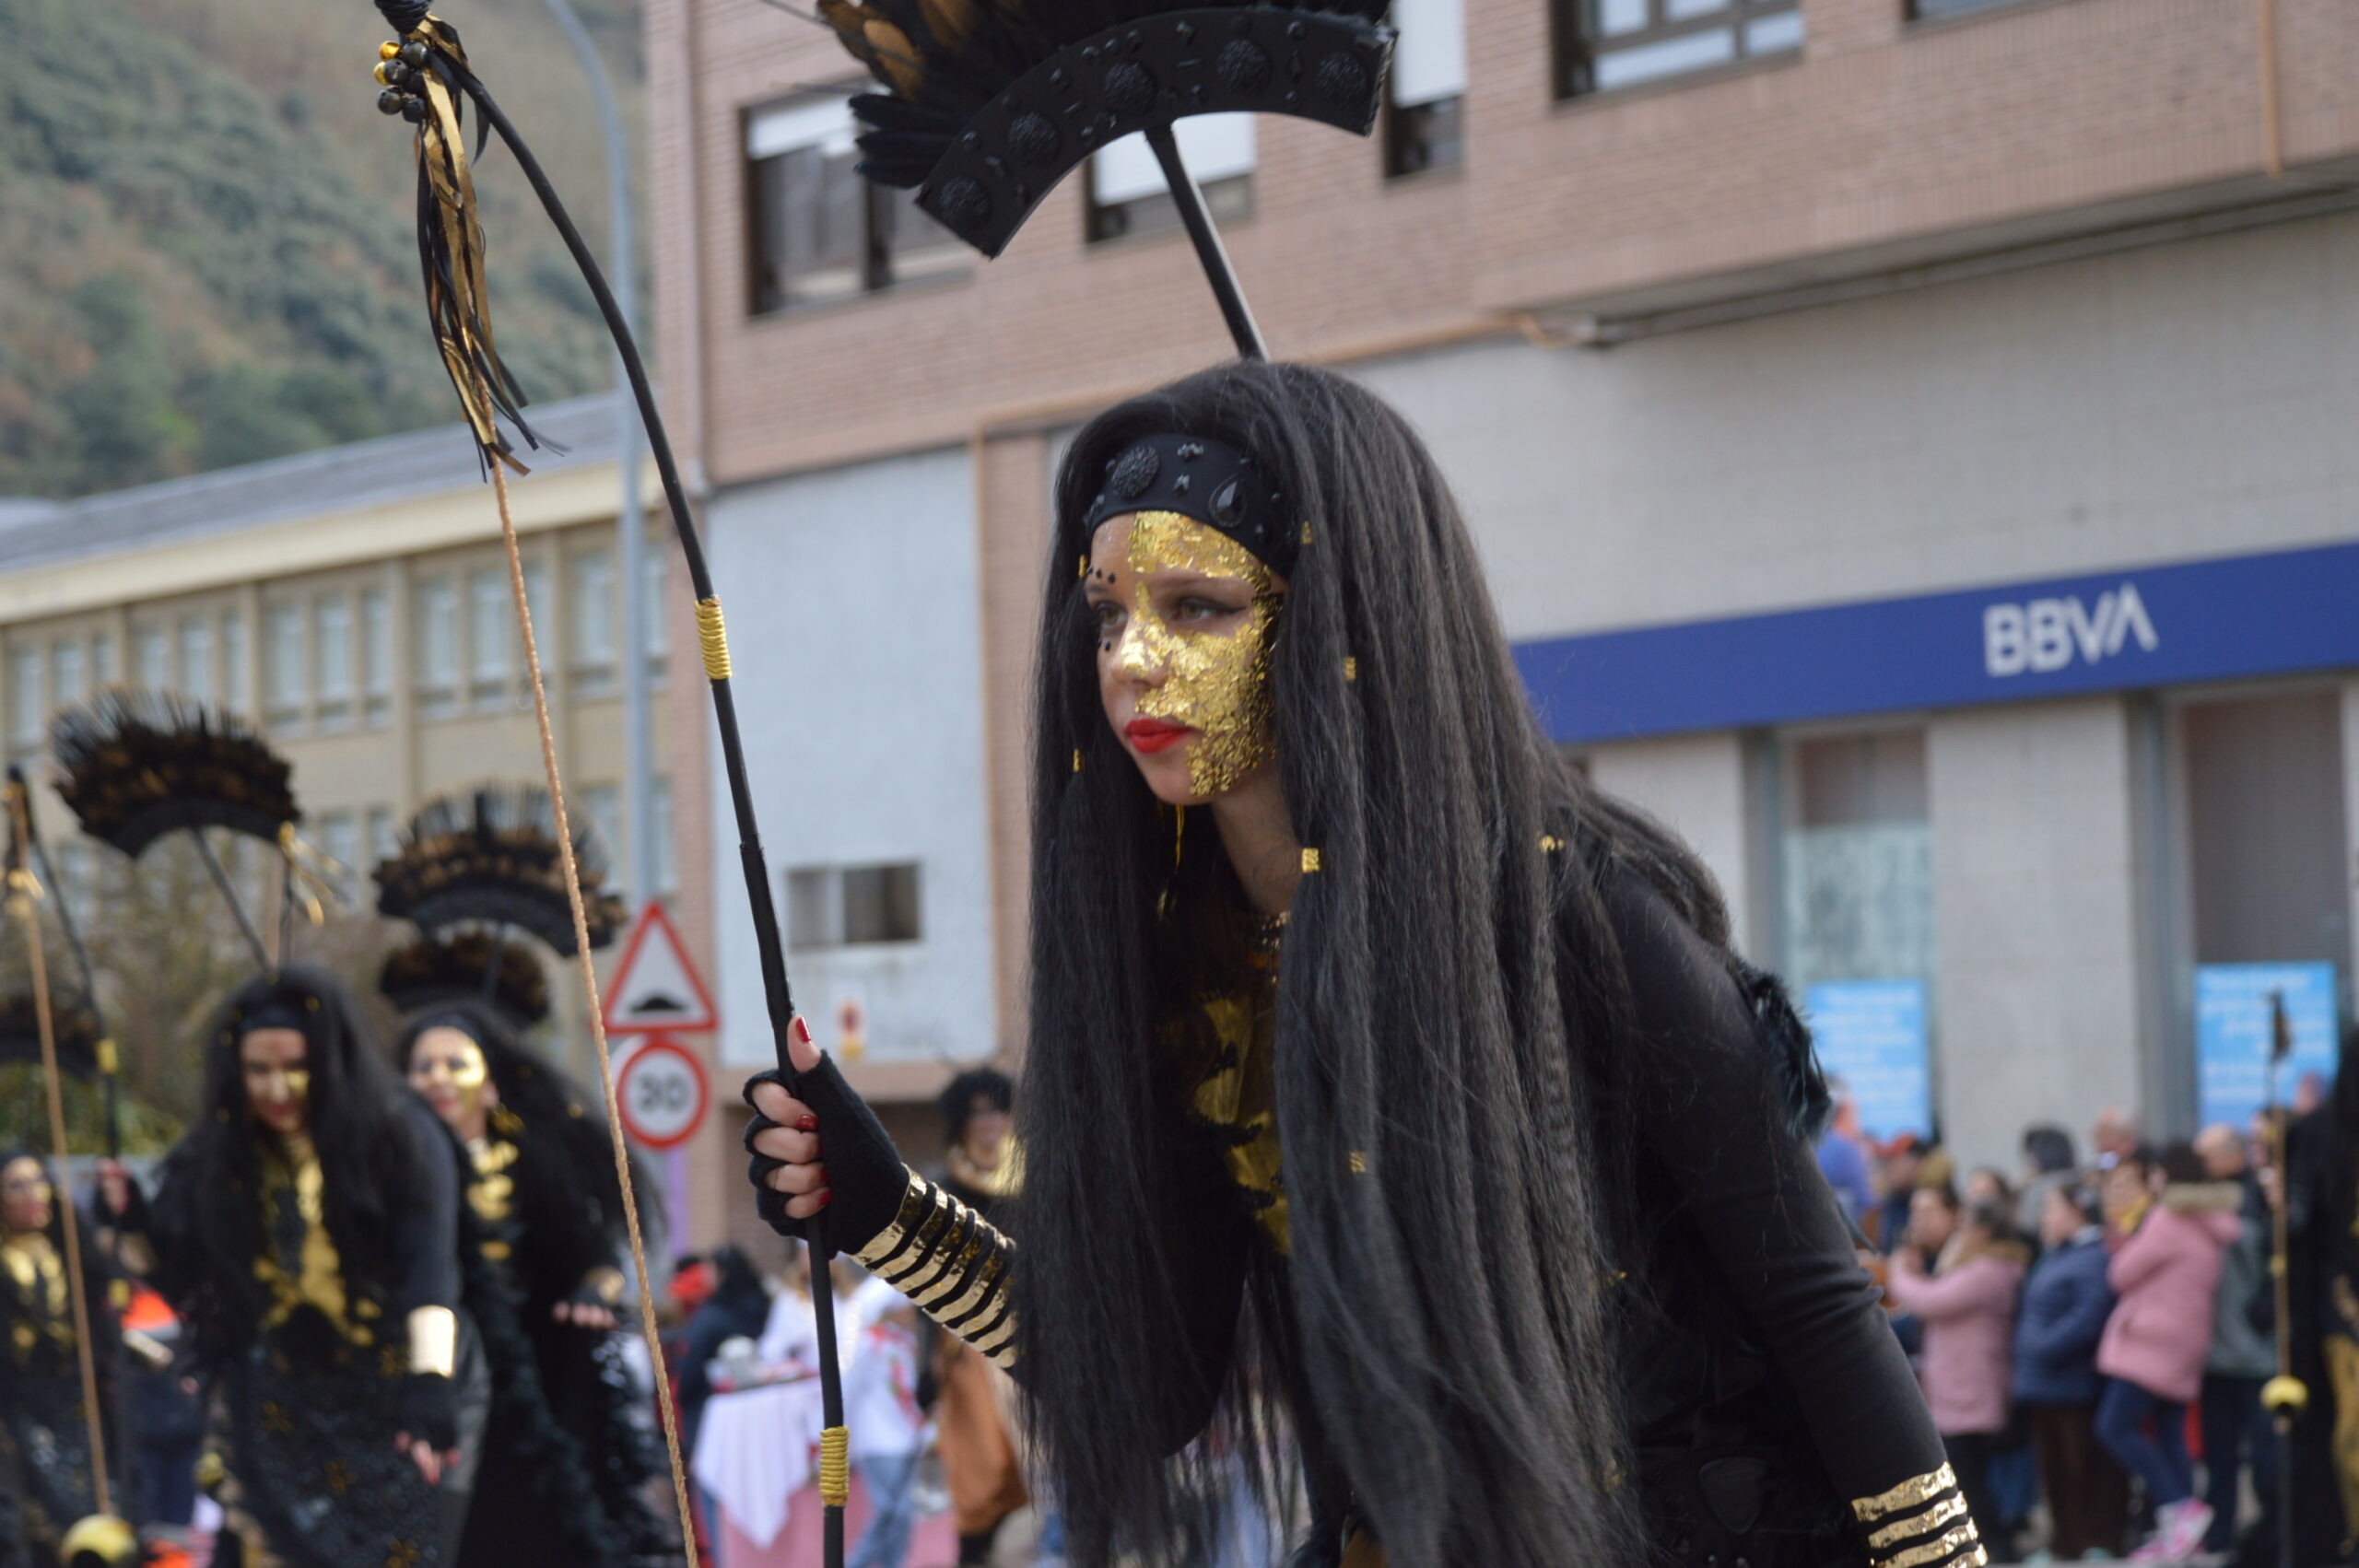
(208, 1220)
(1450, 1007)
(569, 1203)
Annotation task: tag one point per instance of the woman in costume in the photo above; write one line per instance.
(563, 1456)
(45, 1475)
(980, 1169)
(307, 1228)
(1386, 1082)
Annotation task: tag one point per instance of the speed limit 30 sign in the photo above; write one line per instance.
(663, 1094)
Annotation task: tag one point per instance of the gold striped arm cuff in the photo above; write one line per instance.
(954, 1264)
(1921, 1523)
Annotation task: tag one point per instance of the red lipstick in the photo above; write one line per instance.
(1155, 734)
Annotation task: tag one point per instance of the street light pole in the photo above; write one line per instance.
(639, 795)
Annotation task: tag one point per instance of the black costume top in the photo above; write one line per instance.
(564, 1461)
(308, 1396)
(1775, 1418)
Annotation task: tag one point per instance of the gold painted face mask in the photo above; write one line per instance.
(1215, 684)
(462, 1065)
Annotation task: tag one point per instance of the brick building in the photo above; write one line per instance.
(1908, 441)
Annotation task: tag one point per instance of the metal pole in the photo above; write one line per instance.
(639, 789)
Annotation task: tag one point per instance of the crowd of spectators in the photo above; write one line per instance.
(2092, 1338)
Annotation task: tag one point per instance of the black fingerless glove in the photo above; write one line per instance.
(866, 1176)
(430, 1411)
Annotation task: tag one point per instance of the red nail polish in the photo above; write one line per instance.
(806, 1124)
(803, 1031)
(823, 1196)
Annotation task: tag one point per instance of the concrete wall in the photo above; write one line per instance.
(2166, 403)
(858, 680)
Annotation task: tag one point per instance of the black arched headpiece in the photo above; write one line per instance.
(981, 179)
(1209, 481)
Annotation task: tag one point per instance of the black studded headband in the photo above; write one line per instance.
(1206, 480)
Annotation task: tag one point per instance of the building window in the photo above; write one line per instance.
(1606, 45)
(1425, 120)
(1127, 196)
(332, 635)
(283, 664)
(340, 841)
(818, 231)
(666, 858)
(438, 644)
(66, 673)
(377, 654)
(233, 658)
(601, 805)
(853, 905)
(536, 601)
(153, 658)
(487, 622)
(104, 669)
(196, 658)
(28, 698)
(593, 609)
(384, 842)
(655, 580)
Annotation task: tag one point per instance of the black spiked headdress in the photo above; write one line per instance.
(489, 856)
(994, 101)
(443, 967)
(136, 764)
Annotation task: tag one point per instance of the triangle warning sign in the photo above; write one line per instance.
(655, 989)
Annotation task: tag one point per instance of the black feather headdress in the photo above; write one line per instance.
(459, 966)
(489, 857)
(76, 1028)
(136, 764)
(994, 101)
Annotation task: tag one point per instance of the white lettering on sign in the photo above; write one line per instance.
(2046, 635)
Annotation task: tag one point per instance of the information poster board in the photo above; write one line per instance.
(1871, 1033)
(2233, 1032)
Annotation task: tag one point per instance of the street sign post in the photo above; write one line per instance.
(662, 1093)
(656, 990)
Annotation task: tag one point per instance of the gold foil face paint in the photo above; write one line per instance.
(447, 1053)
(1215, 684)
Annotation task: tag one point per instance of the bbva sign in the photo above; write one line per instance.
(2048, 634)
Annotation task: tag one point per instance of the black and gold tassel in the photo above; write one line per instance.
(427, 80)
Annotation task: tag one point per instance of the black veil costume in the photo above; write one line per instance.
(566, 1459)
(296, 1268)
(45, 1478)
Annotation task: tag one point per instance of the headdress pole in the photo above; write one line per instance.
(108, 1060)
(24, 893)
(1189, 199)
(221, 875)
(431, 60)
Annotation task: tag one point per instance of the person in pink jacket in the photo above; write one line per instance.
(2174, 1228)
(1967, 1305)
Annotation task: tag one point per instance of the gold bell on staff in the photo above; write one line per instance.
(101, 1541)
(2284, 1396)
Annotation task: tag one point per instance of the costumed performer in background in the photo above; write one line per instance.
(979, 1463)
(306, 1229)
(566, 1460)
(45, 1479)
(1387, 1083)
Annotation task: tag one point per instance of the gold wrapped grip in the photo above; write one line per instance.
(714, 637)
